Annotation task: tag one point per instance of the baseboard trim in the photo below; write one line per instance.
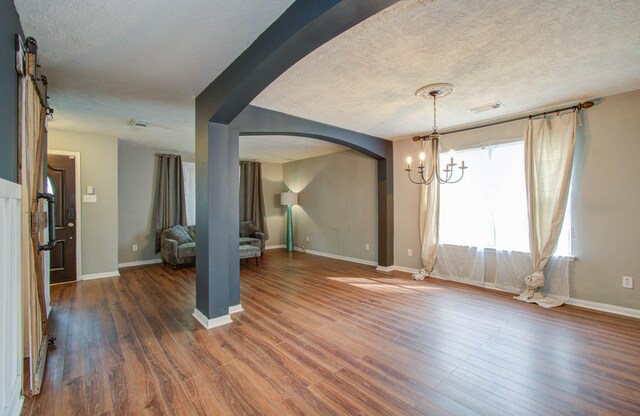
(586, 304)
(139, 263)
(336, 256)
(100, 275)
(274, 246)
(235, 309)
(213, 322)
(604, 307)
(384, 268)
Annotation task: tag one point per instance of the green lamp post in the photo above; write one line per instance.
(289, 199)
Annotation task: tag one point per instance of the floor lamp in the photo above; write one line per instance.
(289, 199)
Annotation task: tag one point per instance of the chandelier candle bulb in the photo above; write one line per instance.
(409, 163)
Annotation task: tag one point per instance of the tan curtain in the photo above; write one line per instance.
(549, 144)
(252, 197)
(170, 201)
(429, 215)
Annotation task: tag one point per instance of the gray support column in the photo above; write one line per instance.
(303, 27)
(234, 220)
(214, 164)
(385, 213)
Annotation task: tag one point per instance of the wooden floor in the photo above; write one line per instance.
(323, 336)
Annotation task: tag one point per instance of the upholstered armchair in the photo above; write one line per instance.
(249, 235)
(178, 245)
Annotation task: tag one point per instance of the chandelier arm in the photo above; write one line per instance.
(411, 179)
(436, 151)
(460, 178)
(446, 179)
(427, 181)
(435, 166)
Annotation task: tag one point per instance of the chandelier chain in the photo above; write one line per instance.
(435, 125)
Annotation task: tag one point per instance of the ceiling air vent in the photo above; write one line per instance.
(139, 123)
(486, 107)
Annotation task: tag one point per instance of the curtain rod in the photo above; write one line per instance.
(579, 106)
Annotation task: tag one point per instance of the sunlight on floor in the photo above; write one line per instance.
(395, 285)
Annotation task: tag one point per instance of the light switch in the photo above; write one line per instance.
(90, 190)
(89, 198)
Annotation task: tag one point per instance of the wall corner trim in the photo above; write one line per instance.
(235, 309)
(213, 322)
(139, 263)
(99, 275)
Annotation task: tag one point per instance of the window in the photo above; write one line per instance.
(189, 174)
(488, 208)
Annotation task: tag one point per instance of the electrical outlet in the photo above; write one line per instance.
(306, 238)
(134, 247)
(409, 252)
(366, 246)
(627, 282)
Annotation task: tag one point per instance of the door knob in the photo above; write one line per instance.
(70, 225)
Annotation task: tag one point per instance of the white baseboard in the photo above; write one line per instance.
(213, 322)
(139, 263)
(605, 307)
(274, 246)
(99, 275)
(385, 268)
(596, 306)
(235, 309)
(335, 256)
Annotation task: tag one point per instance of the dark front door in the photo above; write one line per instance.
(62, 181)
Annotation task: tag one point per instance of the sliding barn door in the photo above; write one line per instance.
(33, 146)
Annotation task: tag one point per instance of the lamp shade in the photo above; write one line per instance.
(288, 198)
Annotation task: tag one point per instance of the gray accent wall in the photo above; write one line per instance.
(605, 198)
(9, 26)
(337, 204)
(136, 193)
(99, 221)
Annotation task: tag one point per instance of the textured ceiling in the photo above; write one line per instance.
(526, 54)
(112, 61)
(283, 149)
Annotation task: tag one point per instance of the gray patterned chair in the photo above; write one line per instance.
(178, 245)
(250, 236)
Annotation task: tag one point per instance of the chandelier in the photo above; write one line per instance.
(431, 144)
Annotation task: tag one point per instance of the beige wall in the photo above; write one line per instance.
(136, 193)
(606, 199)
(272, 185)
(338, 204)
(99, 221)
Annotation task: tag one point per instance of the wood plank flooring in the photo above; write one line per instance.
(326, 337)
